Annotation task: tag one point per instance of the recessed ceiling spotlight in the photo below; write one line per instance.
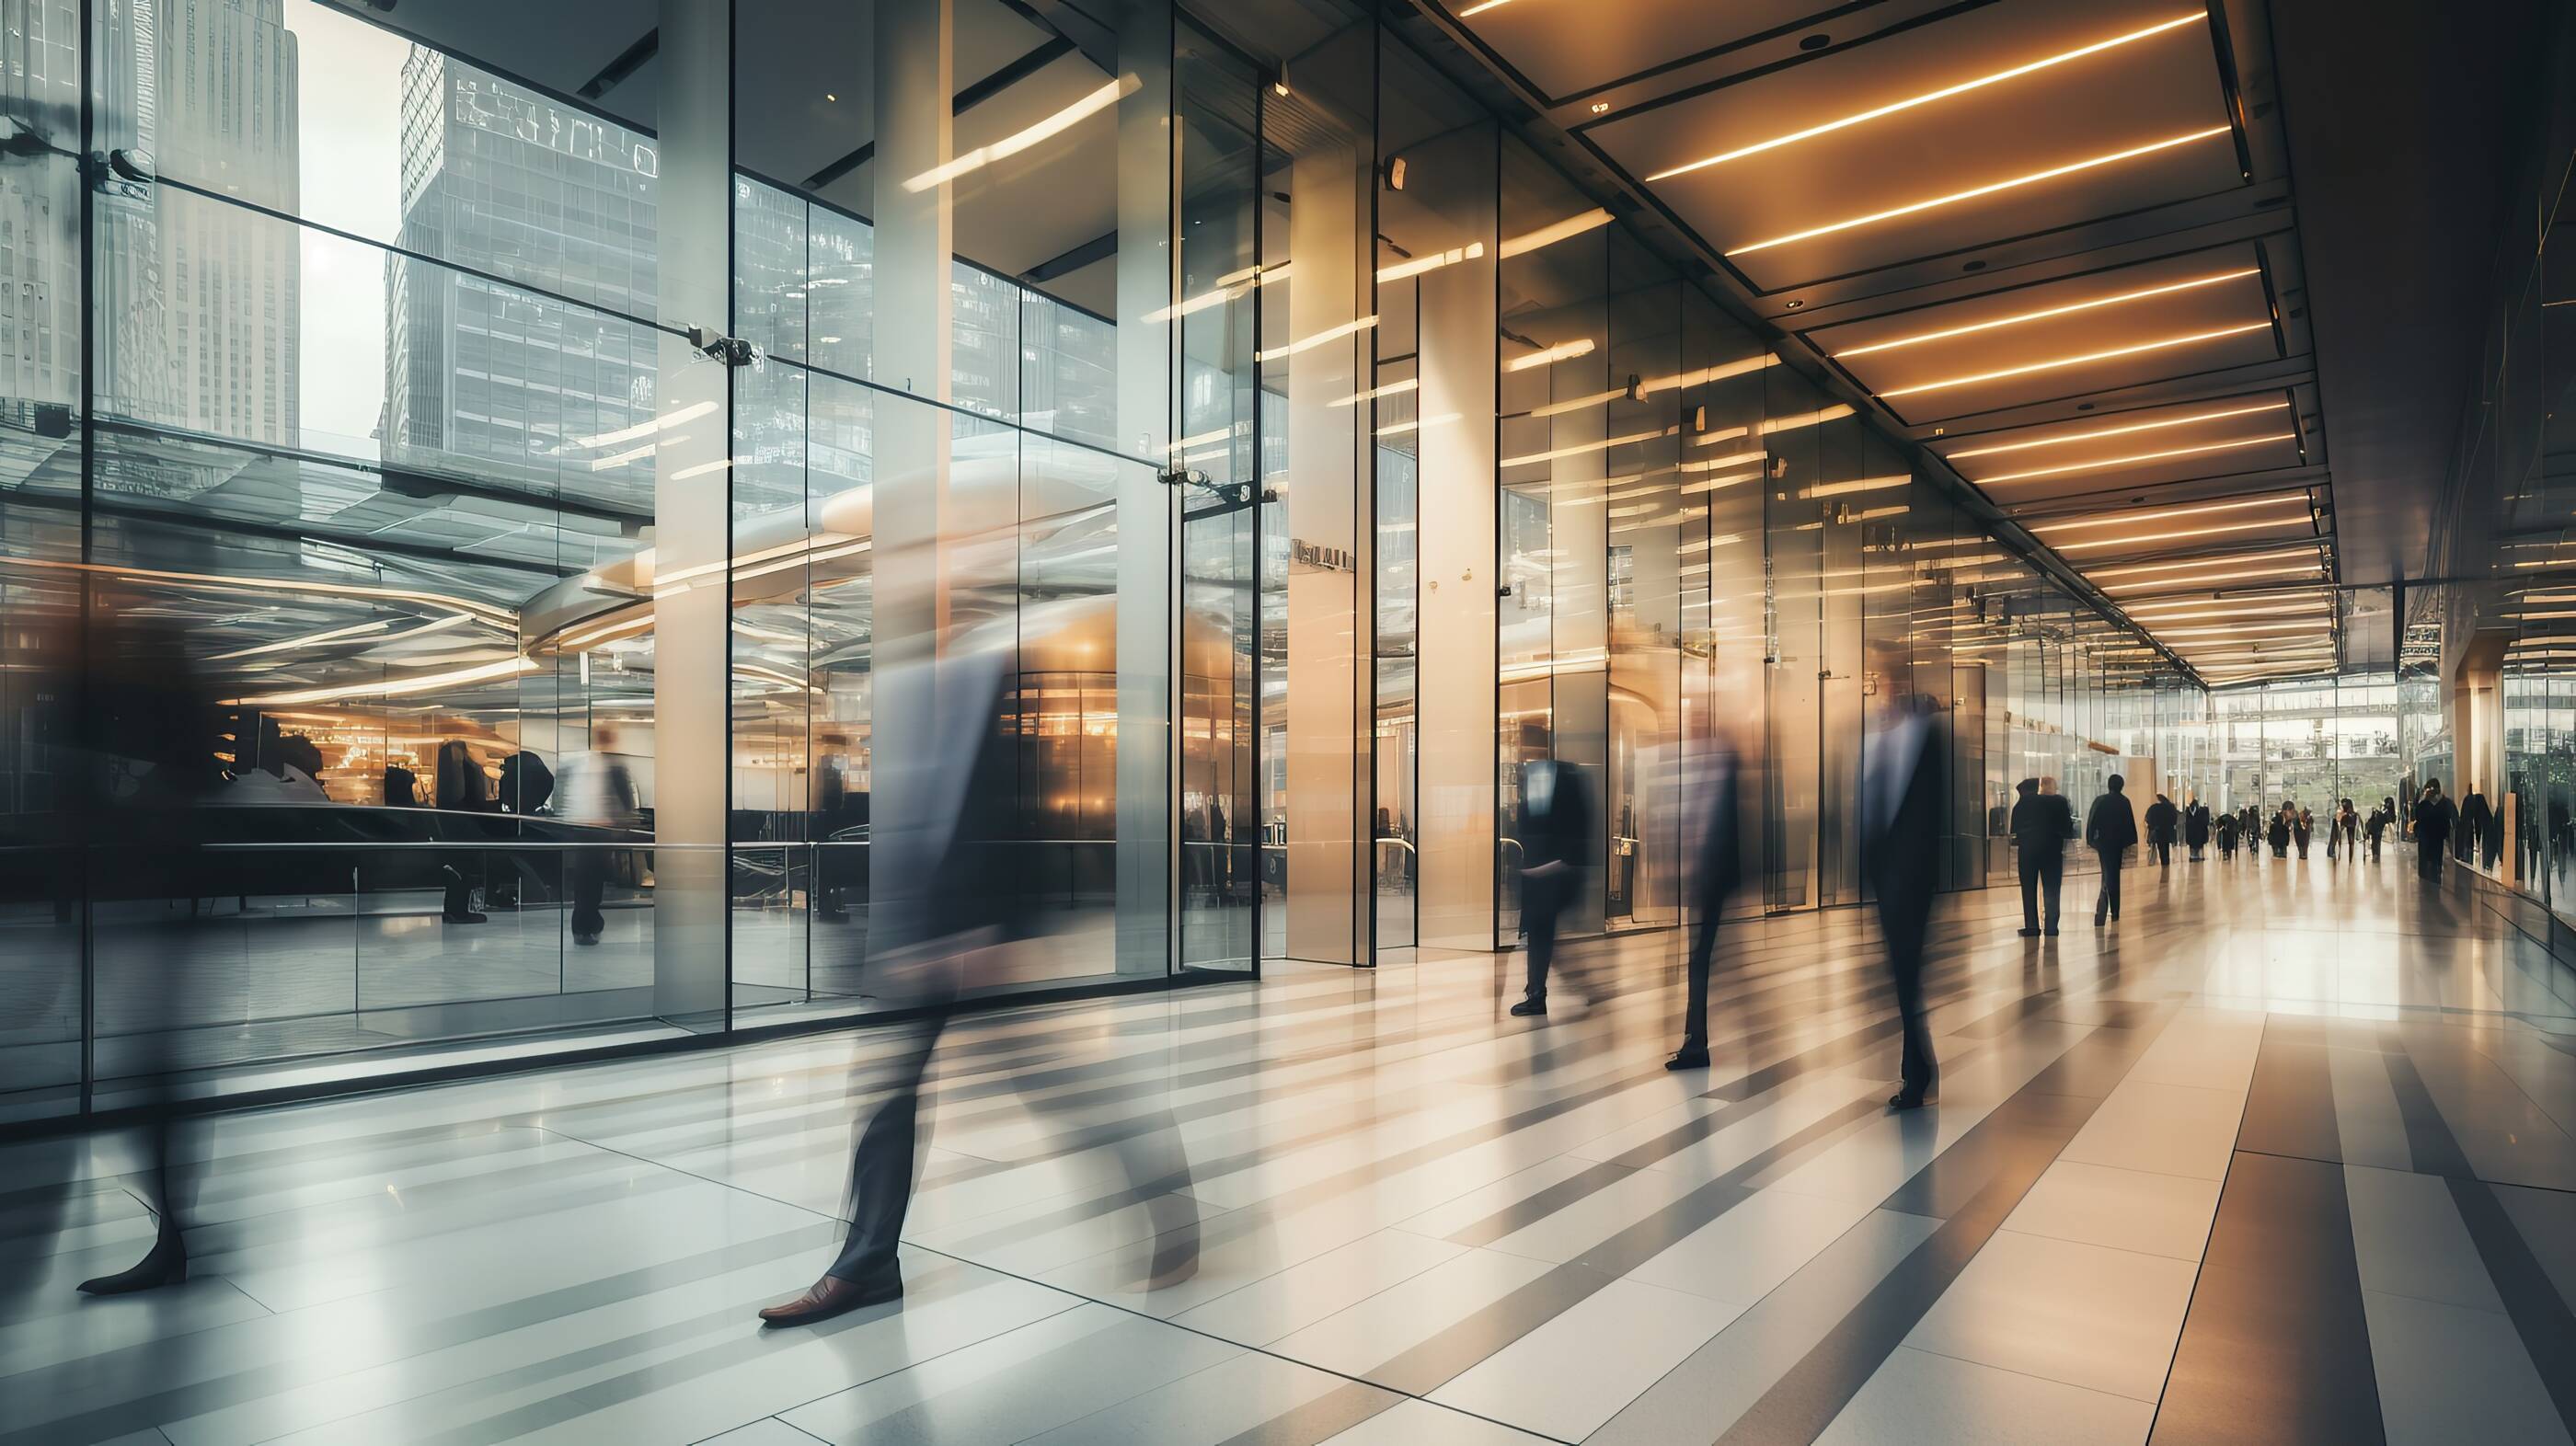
(1817, 41)
(1794, 303)
(827, 95)
(1601, 107)
(1974, 266)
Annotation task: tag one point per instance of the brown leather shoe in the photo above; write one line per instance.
(831, 1296)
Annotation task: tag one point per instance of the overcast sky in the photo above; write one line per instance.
(349, 75)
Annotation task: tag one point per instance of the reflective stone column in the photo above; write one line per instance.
(692, 517)
(1147, 660)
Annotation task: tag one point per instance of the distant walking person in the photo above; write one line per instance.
(2433, 818)
(2161, 817)
(2109, 830)
(2249, 827)
(2195, 826)
(1904, 798)
(2382, 814)
(597, 790)
(2302, 828)
(2042, 822)
(1555, 833)
(2226, 830)
(1716, 869)
(2279, 837)
(2344, 828)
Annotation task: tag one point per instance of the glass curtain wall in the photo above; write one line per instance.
(481, 510)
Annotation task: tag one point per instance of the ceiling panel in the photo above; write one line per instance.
(2014, 119)
(1563, 47)
(2132, 452)
(2090, 333)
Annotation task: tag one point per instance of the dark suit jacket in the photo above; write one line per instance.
(1562, 834)
(2160, 821)
(2112, 825)
(1904, 858)
(2041, 825)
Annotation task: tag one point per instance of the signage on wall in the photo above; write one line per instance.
(1321, 557)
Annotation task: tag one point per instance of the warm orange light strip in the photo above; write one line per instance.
(2085, 359)
(2116, 519)
(1974, 192)
(2098, 434)
(2273, 556)
(2042, 315)
(2147, 537)
(2134, 459)
(2192, 583)
(1896, 107)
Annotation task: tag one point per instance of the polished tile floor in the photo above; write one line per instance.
(2289, 1154)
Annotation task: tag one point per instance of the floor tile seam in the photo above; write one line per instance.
(525, 1171)
(725, 1185)
(788, 1425)
(1241, 1346)
(2027, 1234)
(1959, 1220)
(1073, 1301)
(294, 1371)
(2499, 1309)
(2147, 1401)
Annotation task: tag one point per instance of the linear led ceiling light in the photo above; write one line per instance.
(2084, 359)
(2045, 313)
(2134, 459)
(2275, 555)
(1018, 141)
(2116, 519)
(2190, 584)
(1910, 102)
(1974, 192)
(2147, 537)
(2100, 433)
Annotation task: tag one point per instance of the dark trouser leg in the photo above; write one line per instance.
(2029, 891)
(881, 1167)
(1918, 1068)
(589, 870)
(1542, 898)
(1703, 948)
(2052, 881)
(2109, 901)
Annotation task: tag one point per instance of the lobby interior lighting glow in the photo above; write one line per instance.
(1555, 231)
(1911, 102)
(1092, 104)
(308, 640)
(2133, 459)
(2046, 312)
(1399, 270)
(1391, 389)
(2099, 433)
(1398, 429)
(1578, 449)
(396, 687)
(1975, 192)
(2190, 582)
(1857, 484)
(1328, 334)
(1562, 351)
(2275, 555)
(2081, 359)
(691, 412)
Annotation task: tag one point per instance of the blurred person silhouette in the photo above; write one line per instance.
(2110, 828)
(2249, 827)
(2195, 826)
(2225, 830)
(148, 759)
(1554, 826)
(598, 790)
(2042, 822)
(2161, 819)
(1716, 868)
(2433, 822)
(462, 787)
(2344, 829)
(2279, 835)
(1904, 800)
(947, 892)
(2474, 813)
(2303, 826)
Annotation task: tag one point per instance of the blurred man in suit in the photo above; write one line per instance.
(1904, 801)
(1555, 833)
(1716, 867)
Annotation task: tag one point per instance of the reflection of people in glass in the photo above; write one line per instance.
(1555, 833)
(2432, 822)
(598, 790)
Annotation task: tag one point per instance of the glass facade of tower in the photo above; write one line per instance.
(515, 525)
